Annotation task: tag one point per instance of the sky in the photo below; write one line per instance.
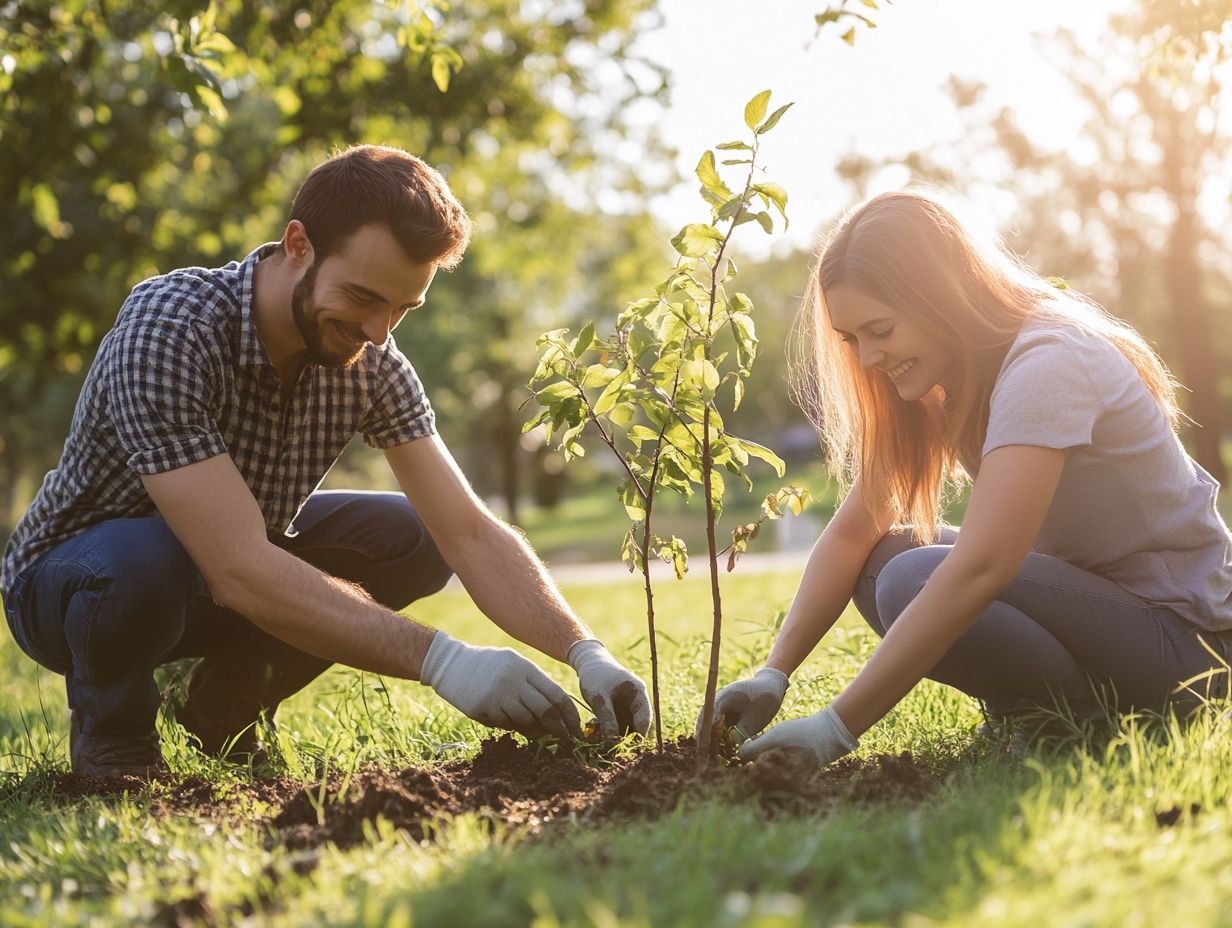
(883, 96)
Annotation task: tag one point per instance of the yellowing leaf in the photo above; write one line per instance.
(755, 109)
(708, 174)
(696, 240)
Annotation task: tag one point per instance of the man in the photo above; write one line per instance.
(182, 520)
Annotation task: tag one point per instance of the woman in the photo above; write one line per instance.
(1091, 557)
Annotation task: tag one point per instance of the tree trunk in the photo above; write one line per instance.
(507, 433)
(1190, 308)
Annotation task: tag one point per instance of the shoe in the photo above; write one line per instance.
(108, 754)
(237, 744)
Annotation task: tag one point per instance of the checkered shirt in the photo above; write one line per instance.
(183, 377)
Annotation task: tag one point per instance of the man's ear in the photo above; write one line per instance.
(296, 245)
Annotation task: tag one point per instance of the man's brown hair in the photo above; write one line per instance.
(374, 183)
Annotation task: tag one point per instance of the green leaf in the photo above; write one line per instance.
(755, 109)
(761, 452)
(773, 121)
(704, 375)
(611, 393)
(556, 391)
(569, 444)
(696, 240)
(622, 414)
(631, 550)
(586, 337)
(542, 416)
(708, 174)
(675, 553)
(764, 220)
(738, 161)
(729, 209)
(738, 395)
(735, 146)
(599, 375)
(746, 338)
(776, 195)
(632, 501)
(212, 101)
(444, 62)
(638, 340)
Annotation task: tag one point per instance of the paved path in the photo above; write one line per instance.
(615, 572)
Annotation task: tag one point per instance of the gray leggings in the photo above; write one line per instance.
(1052, 633)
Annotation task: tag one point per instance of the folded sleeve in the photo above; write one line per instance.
(1047, 395)
(162, 391)
(400, 411)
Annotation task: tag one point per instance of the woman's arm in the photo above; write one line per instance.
(1009, 501)
(829, 579)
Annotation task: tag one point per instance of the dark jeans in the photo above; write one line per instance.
(107, 606)
(1054, 631)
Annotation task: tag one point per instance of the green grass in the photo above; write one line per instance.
(1067, 836)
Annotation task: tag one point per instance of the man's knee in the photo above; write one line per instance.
(115, 594)
(377, 540)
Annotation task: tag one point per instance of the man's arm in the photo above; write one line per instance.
(501, 573)
(214, 515)
(509, 583)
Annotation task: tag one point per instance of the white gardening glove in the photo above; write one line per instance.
(747, 706)
(823, 736)
(499, 688)
(616, 696)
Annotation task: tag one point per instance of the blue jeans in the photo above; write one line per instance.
(110, 604)
(1052, 633)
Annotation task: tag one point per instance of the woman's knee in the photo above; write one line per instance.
(892, 545)
(902, 578)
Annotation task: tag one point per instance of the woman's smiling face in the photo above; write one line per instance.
(892, 343)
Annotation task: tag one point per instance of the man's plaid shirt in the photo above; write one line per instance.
(183, 377)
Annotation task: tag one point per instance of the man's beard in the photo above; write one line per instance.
(304, 311)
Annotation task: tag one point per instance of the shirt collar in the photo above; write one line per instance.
(252, 351)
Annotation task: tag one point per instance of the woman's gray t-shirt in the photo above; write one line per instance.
(1132, 506)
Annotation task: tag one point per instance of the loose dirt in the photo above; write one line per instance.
(519, 785)
(507, 783)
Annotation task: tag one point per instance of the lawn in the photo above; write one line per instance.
(1127, 827)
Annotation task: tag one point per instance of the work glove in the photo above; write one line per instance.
(499, 688)
(820, 738)
(747, 706)
(615, 695)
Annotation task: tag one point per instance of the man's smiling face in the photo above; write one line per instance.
(356, 296)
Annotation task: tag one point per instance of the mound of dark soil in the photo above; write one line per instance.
(513, 784)
(525, 787)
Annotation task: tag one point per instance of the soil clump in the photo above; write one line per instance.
(527, 788)
(511, 784)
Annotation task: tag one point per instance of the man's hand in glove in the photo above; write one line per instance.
(615, 695)
(499, 688)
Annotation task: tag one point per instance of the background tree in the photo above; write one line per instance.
(138, 139)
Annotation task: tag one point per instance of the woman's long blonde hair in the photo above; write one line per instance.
(908, 251)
